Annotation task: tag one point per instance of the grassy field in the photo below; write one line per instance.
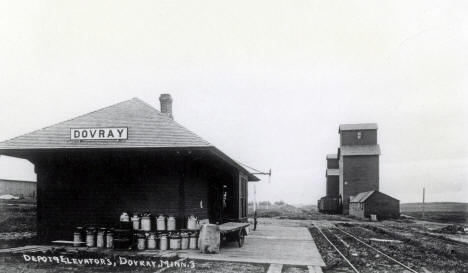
(17, 216)
(434, 206)
(281, 210)
(445, 212)
(17, 223)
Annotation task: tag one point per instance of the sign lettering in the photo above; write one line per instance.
(99, 133)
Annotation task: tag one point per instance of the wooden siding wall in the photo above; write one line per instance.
(240, 191)
(368, 137)
(332, 164)
(243, 210)
(356, 209)
(17, 188)
(362, 174)
(382, 205)
(91, 189)
(333, 188)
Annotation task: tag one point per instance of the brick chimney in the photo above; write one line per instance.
(166, 104)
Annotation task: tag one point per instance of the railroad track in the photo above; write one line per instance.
(360, 256)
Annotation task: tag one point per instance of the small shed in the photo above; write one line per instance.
(366, 203)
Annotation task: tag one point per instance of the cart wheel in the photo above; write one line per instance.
(241, 239)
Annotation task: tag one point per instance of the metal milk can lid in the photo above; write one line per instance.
(124, 217)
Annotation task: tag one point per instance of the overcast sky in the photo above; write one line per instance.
(268, 82)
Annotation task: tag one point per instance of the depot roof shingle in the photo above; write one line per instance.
(147, 128)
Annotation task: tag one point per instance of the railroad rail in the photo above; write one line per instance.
(339, 252)
(375, 249)
(354, 237)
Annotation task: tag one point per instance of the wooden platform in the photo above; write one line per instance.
(270, 245)
(278, 245)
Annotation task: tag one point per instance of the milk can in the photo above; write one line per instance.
(90, 240)
(124, 217)
(82, 233)
(141, 241)
(135, 238)
(125, 221)
(136, 222)
(100, 241)
(109, 239)
(193, 241)
(146, 222)
(174, 242)
(163, 242)
(76, 238)
(151, 241)
(192, 222)
(161, 223)
(171, 223)
(184, 240)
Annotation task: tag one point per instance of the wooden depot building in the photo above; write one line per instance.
(128, 157)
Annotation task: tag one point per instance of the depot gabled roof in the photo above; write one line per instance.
(147, 128)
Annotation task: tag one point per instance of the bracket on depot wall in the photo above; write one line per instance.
(264, 173)
(259, 172)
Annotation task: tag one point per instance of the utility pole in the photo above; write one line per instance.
(255, 207)
(255, 193)
(424, 197)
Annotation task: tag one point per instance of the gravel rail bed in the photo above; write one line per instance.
(415, 250)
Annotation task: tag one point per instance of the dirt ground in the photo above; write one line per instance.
(17, 228)
(409, 244)
(422, 248)
(16, 264)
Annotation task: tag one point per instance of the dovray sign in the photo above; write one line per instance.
(117, 133)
